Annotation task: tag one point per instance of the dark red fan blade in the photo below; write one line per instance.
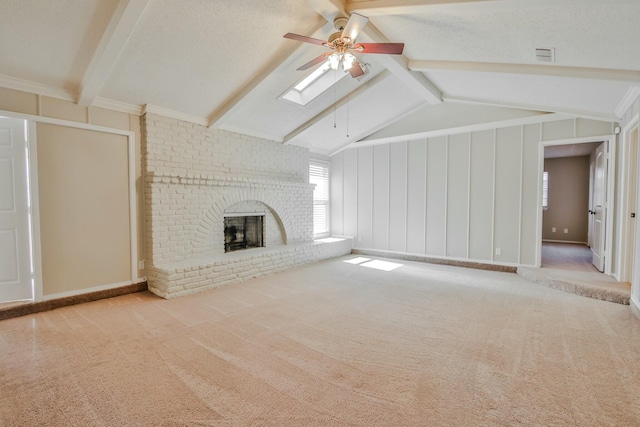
(356, 70)
(314, 61)
(305, 39)
(388, 48)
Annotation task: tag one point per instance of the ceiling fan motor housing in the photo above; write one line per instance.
(339, 23)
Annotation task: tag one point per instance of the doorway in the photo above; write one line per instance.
(577, 175)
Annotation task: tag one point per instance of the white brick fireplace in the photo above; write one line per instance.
(194, 177)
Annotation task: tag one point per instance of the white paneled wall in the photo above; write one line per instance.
(466, 196)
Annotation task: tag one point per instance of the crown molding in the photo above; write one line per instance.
(167, 112)
(538, 118)
(36, 88)
(122, 107)
(627, 100)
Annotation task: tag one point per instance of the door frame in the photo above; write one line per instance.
(32, 175)
(609, 204)
(625, 247)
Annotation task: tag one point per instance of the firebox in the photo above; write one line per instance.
(243, 232)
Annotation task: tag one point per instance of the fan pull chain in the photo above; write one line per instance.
(335, 99)
(347, 117)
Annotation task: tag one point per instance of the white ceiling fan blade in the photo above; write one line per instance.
(354, 26)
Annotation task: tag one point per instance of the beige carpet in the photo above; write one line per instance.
(329, 344)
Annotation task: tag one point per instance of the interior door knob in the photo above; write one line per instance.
(633, 214)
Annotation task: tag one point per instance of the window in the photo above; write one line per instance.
(545, 190)
(319, 175)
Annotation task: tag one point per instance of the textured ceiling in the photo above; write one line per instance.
(224, 63)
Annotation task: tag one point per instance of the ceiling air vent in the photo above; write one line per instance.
(546, 54)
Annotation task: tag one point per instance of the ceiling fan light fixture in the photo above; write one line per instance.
(348, 61)
(334, 60)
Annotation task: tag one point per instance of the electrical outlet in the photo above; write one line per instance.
(566, 231)
(553, 229)
(498, 251)
(141, 265)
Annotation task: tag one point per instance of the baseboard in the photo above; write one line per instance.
(37, 307)
(634, 304)
(440, 261)
(565, 241)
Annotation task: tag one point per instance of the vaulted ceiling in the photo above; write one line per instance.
(225, 63)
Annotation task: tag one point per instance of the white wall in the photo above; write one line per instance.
(631, 115)
(464, 196)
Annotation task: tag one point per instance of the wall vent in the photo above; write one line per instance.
(546, 54)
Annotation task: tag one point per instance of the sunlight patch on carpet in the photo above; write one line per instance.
(358, 260)
(381, 265)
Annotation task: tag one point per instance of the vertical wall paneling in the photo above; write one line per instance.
(398, 197)
(350, 194)
(436, 195)
(337, 194)
(469, 198)
(493, 206)
(481, 185)
(507, 194)
(406, 201)
(521, 193)
(558, 130)
(416, 178)
(457, 196)
(365, 197)
(446, 193)
(380, 221)
(585, 127)
(530, 194)
(426, 197)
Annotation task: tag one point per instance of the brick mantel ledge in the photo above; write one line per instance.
(218, 180)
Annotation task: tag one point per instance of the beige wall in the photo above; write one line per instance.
(83, 182)
(85, 234)
(568, 199)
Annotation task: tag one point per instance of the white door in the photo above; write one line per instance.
(632, 195)
(598, 208)
(15, 259)
(635, 267)
(592, 174)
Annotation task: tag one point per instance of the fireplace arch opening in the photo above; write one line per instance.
(251, 224)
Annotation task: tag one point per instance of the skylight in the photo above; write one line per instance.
(310, 87)
(312, 77)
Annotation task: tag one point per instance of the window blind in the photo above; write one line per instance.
(545, 189)
(319, 175)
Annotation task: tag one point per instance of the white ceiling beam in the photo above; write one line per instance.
(586, 114)
(122, 23)
(328, 9)
(216, 118)
(530, 69)
(342, 101)
(403, 7)
(410, 7)
(398, 65)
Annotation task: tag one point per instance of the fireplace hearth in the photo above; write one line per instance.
(243, 232)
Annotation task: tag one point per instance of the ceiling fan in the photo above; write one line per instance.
(343, 45)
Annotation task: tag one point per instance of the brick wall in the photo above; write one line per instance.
(193, 175)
